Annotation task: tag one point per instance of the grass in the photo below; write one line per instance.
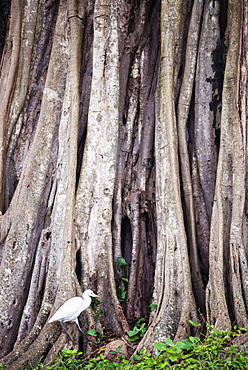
(213, 352)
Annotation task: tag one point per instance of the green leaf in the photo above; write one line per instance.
(92, 332)
(160, 346)
(185, 344)
(169, 342)
(153, 307)
(194, 339)
(193, 323)
(133, 332)
(136, 333)
(125, 279)
(99, 313)
(122, 262)
(121, 294)
(133, 338)
(140, 320)
(174, 357)
(180, 345)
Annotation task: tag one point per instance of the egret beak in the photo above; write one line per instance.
(97, 296)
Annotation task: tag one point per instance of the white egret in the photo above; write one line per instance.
(72, 308)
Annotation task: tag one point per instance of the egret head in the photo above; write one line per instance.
(91, 294)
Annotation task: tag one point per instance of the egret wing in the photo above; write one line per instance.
(70, 310)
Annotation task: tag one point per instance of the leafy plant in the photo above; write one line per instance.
(194, 324)
(98, 313)
(92, 332)
(125, 280)
(152, 307)
(175, 351)
(118, 353)
(67, 359)
(121, 294)
(122, 262)
(213, 352)
(138, 331)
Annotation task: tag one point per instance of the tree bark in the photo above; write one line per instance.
(228, 186)
(122, 134)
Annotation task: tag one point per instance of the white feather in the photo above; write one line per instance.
(72, 308)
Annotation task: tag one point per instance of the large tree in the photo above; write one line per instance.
(123, 133)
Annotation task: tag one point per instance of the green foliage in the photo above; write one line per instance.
(95, 303)
(152, 307)
(122, 262)
(68, 359)
(211, 353)
(124, 279)
(138, 331)
(65, 360)
(194, 324)
(175, 352)
(177, 347)
(92, 332)
(214, 352)
(99, 313)
(121, 294)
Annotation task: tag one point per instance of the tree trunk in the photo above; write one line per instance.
(122, 134)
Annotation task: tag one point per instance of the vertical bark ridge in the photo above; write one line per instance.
(134, 192)
(183, 108)
(176, 301)
(96, 183)
(8, 75)
(25, 111)
(206, 122)
(20, 88)
(243, 122)
(238, 261)
(33, 185)
(218, 293)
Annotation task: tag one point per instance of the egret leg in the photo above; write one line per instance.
(82, 331)
(76, 321)
(64, 329)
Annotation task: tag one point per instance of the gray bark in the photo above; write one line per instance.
(122, 134)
